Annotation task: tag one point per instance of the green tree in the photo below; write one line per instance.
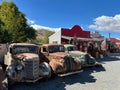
(0, 32)
(30, 33)
(15, 28)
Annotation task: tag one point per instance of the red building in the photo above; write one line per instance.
(116, 41)
(76, 35)
(75, 32)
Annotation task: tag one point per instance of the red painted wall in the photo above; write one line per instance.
(75, 31)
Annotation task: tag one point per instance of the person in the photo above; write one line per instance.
(90, 49)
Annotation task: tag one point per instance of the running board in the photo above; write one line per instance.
(69, 73)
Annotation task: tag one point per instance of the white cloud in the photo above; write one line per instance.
(38, 27)
(30, 21)
(106, 23)
(118, 38)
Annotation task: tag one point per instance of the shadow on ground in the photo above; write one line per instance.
(83, 77)
(59, 83)
(109, 58)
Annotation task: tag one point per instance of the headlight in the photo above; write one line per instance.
(11, 68)
(19, 67)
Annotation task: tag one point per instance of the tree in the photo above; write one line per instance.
(15, 28)
(30, 33)
(0, 31)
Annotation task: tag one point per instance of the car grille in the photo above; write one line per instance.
(68, 60)
(31, 68)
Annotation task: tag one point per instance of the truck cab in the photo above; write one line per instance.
(60, 62)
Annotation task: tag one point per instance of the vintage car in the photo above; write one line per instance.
(61, 63)
(85, 59)
(23, 63)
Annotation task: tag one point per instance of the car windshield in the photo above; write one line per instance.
(72, 48)
(53, 49)
(25, 49)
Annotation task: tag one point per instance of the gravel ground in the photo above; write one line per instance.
(93, 78)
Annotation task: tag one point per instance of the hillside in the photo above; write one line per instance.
(42, 32)
(42, 35)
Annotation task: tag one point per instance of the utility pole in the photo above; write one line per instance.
(109, 35)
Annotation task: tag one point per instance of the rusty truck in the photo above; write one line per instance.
(61, 63)
(23, 63)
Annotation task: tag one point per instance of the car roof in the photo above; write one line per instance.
(24, 44)
(68, 45)
(47, 45)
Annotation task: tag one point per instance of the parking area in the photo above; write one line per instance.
(93, 78)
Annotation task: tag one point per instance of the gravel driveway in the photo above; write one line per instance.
(93, 78)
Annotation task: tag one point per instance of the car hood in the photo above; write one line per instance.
(77, 53)
(26, 56)
(59, 54)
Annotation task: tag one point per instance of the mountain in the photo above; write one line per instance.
(43, 32)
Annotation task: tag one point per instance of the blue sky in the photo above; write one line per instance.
(91, 15)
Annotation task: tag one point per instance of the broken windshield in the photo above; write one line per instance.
(25, 49)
